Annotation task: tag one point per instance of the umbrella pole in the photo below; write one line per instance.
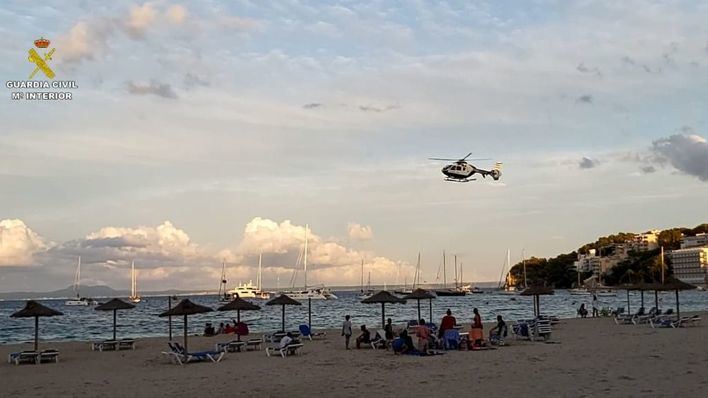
(418, 308)
(678, 309)
(383, 315)
(283, 329)
(185, 334)
(36, 333)
(238, 320)
(309, 312)
(629, 309)
(114, 324)
(641, 293)
(169, 318)
(431, 309)
(656, 300)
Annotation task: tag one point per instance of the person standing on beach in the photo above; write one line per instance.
(347, 330)
(595, 305)
(447, 322)
(477, 330)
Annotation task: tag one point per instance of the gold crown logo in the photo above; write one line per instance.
(41, 43)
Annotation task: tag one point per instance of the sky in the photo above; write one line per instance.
(210, 133)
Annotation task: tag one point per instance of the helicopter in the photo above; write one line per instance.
(461, 171)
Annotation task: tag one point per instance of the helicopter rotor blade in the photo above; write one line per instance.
(445, 159)
(465, 158)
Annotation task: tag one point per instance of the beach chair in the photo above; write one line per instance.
(305, 331)
(274, 337)
(105, 345)
(180, 356)
(18, 358)
(290, 349)
(541, 329)
(664, 323)
(254, 344)
(694, 320)
(521, 330)
(451, 339)
(126, 344)
(230, 346)
(50, 355)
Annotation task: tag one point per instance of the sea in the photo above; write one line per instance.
(87, 324)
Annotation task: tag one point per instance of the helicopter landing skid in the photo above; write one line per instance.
(456, 180)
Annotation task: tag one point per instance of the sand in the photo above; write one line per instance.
(590, 357)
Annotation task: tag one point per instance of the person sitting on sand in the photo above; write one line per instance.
(220, 330)
(498, 332)
(229, 329)
(404, 343)
(423, 333)
(286, 340)
(582, 311)
(447, 322)
(209, 329)
(364, 337)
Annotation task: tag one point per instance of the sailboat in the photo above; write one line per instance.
(260, 293)
(79, 301)
(509, 284)
(305, 293)
(363, 294)
(134, 297)
(416, 280)
(467, 288)
(578, 290)
(446, 291)
(224, 296)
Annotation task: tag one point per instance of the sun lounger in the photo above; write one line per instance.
(254, 344)
(126, 344)
(18, 358)
(106, 345)
(664, 323)
(305, 331)
(451, 339)
(694, 320)
(230, 346)
(49, 356)
(290, 349)
(178, 355)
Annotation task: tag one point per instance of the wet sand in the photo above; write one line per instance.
(588, 357)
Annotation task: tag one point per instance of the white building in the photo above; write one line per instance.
(590, 262)
(690, 265)
(699, 240)
(645, 241)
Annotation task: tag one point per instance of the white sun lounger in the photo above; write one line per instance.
(290, 349)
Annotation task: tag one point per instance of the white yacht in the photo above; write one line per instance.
(244, 290)
(79, 301)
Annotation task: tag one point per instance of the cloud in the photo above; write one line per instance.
(163, 90)
(176, 14)
(192, 80)
(18, 243)
(312, 105)
(686, 153)
(359, 232)
(587, 163)
(587, 99)
(589, 70)
(648, 169)
(370, 108)
(84, 40)
(629, 61)
(240, 24)
(140, 19)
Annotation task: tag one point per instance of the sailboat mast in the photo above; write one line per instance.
(260, 273)
(362, 275)
(305, 259)
(77, 278)
(416, 276)
(523, 260)
(444, 271)
(456, 272)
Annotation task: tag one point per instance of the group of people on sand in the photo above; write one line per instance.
(583, 312)
(223, 329)
(402, 342)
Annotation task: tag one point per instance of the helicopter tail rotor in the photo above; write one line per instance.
(496, 171)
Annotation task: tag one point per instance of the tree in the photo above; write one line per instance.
(670, 238)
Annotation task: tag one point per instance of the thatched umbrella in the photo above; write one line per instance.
(34, 310)
(283, 300)
(114, 305)
(628, 287)
(383, 297)
(676, 285)
(536, 292)
(422, 294)
(186, 308)
(238, 304)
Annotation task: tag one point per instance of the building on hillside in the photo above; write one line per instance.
(690, 265)
(699, 240)
(645, 241)
(590, 262)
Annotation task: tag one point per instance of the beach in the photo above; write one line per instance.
(586, 358)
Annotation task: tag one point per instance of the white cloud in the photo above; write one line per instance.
(359, 232)
(177, 14)
(140, 19)
(242, 24)
(687, 153)
(84, 40)
(18, 243)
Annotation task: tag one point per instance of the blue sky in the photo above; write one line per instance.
(228, 118)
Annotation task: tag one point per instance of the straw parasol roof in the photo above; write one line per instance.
(422, 294)
(283, 300)
(186, 308)
(114, 305)
(34, 310)
(383, 297)
(239, 304)
(672, 284)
